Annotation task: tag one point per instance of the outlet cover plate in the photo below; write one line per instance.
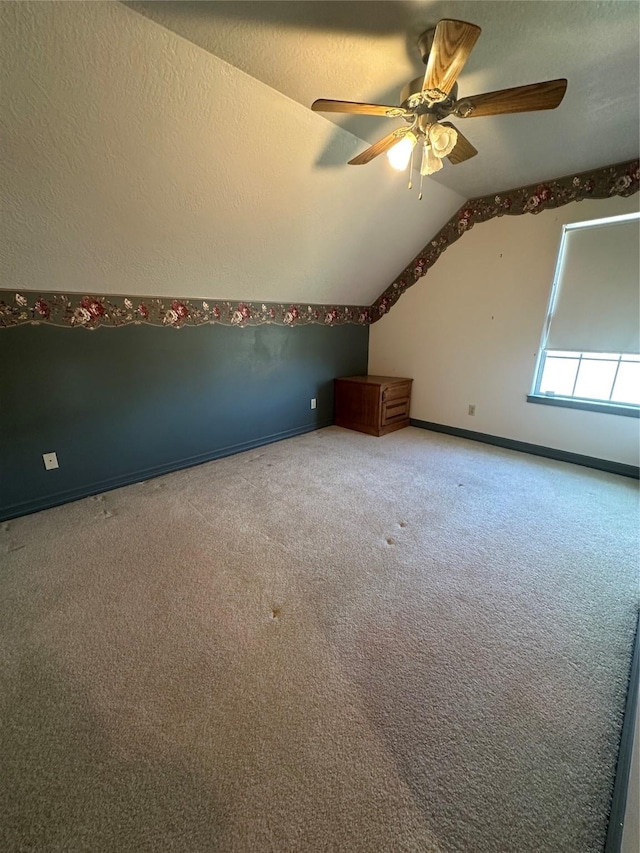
(313, 402)
(50, 461)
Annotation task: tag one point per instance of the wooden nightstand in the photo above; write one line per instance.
(372, 404)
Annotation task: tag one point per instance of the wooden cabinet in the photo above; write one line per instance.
(372, 404)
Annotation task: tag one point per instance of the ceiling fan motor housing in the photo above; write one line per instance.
(412, 99)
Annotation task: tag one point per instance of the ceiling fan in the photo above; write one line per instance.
(425, 101)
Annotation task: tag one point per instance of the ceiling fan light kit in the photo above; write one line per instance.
(425, 101)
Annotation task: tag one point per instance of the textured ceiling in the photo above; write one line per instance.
(136, 162)
(178, 156)
(366, 51)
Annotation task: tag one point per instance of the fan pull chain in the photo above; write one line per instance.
(410, 186)
(421, 180)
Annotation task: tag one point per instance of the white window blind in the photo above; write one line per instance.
(596, 302)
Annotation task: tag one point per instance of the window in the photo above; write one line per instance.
(590, 350)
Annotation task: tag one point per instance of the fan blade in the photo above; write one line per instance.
(453, 41)
(324, 106)
(464, 150)
(380, 146)
(520, 99)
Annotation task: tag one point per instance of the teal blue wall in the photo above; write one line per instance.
(120, 405)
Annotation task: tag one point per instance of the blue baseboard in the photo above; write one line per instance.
(88, 489)
(625, 751)
(535, 449)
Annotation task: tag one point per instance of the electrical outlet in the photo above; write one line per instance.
(472, 408)
(50, 461)
(313, 402)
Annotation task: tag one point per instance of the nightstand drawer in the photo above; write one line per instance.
(395, 410)
(396, 392)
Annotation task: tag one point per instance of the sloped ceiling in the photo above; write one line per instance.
(136, 162)
(366, 51)
(169, 148)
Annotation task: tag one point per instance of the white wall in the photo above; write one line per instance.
(469, 331)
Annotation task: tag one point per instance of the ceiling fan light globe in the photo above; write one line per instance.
(400, 154)
(443, 139)
(430, 161)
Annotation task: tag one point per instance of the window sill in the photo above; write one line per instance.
(587, 405)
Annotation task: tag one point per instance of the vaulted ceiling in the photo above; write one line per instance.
(169, 148)
(366, 51)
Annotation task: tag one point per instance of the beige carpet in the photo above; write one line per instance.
(335, 643)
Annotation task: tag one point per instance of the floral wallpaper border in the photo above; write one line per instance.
(92, 312)
(623, 179)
